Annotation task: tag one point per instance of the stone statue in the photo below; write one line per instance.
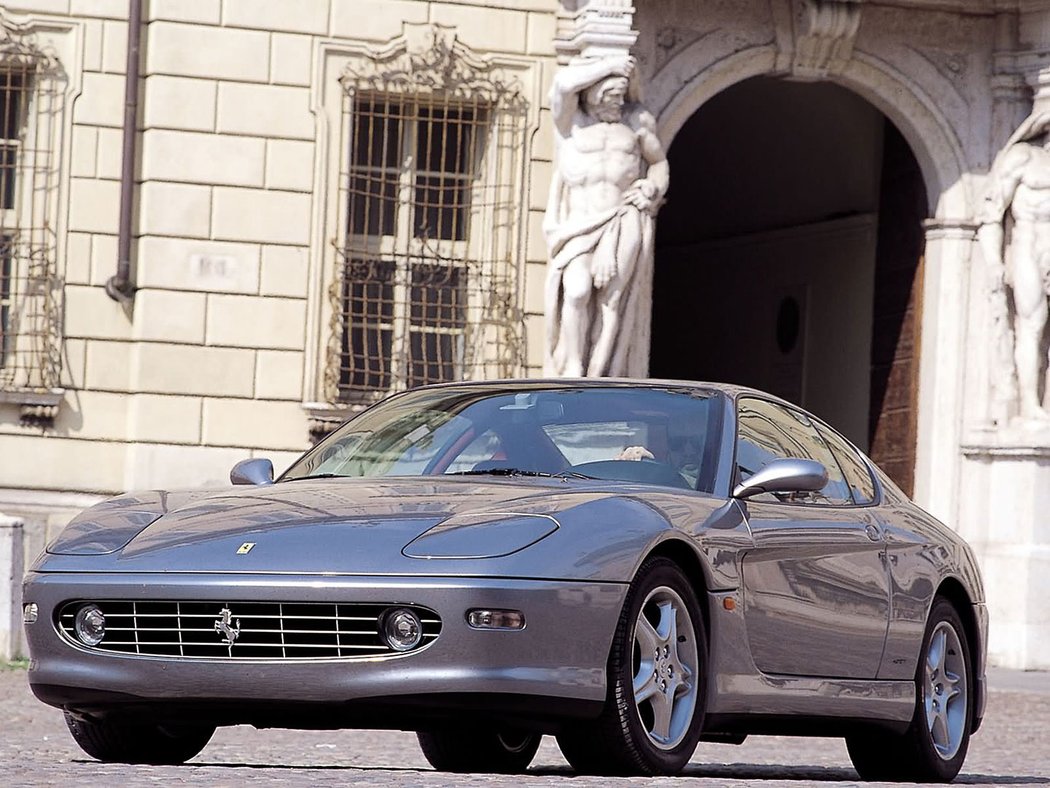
(1014, 235)
(610, 178)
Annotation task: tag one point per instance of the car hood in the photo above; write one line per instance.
(356, 526)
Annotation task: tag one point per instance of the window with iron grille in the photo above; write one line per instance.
(30, 101)
(426, 286)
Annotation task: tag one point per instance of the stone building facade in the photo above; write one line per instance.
(333, 199)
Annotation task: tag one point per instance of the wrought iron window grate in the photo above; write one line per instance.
(30, 103)
(426, 288)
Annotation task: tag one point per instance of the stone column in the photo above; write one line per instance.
(11, 573)
(945, 317)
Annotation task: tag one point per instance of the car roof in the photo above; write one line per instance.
(729, 389)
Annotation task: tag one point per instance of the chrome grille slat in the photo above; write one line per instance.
(181, 629)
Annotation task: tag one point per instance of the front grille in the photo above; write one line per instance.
(264, 630)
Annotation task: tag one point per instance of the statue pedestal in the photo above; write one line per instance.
(1004, 513)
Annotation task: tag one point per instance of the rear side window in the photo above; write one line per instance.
(853, 466)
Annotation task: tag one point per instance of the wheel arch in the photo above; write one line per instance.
(687, 559)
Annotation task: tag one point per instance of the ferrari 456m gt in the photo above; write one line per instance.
(632, 567)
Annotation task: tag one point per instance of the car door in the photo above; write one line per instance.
(816, 589)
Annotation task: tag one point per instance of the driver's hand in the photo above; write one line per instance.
(635, 453)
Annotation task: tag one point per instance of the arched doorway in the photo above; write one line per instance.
(789, 258)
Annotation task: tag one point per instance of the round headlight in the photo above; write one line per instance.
(402, 629)
(90, 625)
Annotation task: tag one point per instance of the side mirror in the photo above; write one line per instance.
(255, 471)
(785, 476)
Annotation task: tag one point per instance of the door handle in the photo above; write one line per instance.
(873, 532)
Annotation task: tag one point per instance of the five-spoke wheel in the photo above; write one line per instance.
(653, 715)
(665, 686)
(934, 746)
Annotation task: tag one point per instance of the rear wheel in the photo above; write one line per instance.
(498, 752)
(654, 710)
(116, 740)
(934, 746)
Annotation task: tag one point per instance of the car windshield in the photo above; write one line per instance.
(656, 435)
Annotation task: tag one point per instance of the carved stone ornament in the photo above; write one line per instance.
(1014, 235)
(672, 39)
(824, 34)
(20, 44)
(593, 28)
(429, 58)
(610, 178)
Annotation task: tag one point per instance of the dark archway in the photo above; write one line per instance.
(789, 257)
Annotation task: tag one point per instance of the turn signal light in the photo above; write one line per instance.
(495, 619)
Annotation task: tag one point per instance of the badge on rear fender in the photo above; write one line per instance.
(245, 548)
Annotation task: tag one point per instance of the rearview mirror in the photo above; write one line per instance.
(785, 476)
(255, 471)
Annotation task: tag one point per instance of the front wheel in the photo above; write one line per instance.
(934, 746)
(654, 711)
(115, 740)
(495, 752)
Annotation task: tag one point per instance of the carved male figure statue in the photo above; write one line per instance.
(1015, 240)
(610, 178)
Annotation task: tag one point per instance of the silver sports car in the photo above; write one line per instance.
(632, 567)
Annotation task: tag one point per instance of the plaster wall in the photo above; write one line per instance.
(216, 357)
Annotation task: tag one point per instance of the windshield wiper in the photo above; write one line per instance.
(573, 475)
(501, 472)
(317, 476)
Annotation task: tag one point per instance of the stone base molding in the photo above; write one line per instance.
(1004, 499)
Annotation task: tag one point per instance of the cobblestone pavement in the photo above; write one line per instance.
(1013, 748)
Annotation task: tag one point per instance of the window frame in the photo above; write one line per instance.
(32, 224)
(426, 61)
(810, 421)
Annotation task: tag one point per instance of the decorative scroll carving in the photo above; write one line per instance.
(824, 34)
(20, 44)
(428, 58)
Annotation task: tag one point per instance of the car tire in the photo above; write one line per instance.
(934, 746)
(487, 751)
(115, 740)
(659, 647)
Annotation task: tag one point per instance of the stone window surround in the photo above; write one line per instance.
(333, 58)
(60, 42)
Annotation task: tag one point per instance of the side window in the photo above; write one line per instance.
(853, 466)
(767, 432)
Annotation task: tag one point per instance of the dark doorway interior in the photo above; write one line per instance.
(789, 258)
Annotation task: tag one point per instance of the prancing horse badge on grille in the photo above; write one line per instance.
(228, 628)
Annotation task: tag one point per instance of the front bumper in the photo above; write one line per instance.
(559, 656)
